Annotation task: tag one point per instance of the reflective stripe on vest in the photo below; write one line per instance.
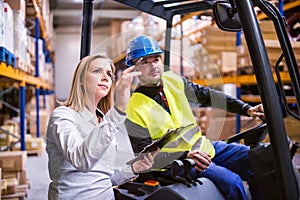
(186, 137)
(145, 112)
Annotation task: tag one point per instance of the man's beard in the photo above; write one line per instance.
(152, 82)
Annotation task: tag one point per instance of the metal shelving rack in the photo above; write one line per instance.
(244, 80)
(23, 79)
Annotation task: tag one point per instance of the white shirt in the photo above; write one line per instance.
(87, 157)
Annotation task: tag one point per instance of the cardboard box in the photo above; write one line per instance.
(10, 174)
(2, 37)
(9, 185)
(221, 128)
(292, 128)
(18, 5)
(13, 160)
(8, 28)
(5, 138)
(44, 118)
(32, 143)
(227, 61)
(22, 177)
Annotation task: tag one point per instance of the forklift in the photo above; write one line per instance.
(271, 162)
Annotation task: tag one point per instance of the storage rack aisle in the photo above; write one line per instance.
(26, 93)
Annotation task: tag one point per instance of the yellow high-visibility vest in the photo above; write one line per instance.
(147, 113)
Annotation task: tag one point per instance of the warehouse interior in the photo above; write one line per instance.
(40, 46)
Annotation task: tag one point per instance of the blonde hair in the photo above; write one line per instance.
(76, 99)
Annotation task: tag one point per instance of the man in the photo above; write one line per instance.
(162, 101)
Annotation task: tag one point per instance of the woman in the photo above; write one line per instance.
(81, 136)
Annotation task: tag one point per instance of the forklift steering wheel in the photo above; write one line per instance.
(251, 136)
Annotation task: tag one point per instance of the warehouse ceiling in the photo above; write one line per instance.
(68, 13)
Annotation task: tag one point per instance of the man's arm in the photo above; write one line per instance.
(139, 136)
(206, 96)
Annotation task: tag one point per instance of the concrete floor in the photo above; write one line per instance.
(37, 173)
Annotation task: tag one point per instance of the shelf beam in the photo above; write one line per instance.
(18, 75)
(239, 80)
(286, 7)
(257, 99)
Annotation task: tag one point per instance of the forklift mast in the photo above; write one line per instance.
(288, 188)
(266, 84)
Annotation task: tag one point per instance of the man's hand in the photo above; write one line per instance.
(256, 111)
(201, 159)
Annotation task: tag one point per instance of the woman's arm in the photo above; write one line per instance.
(67, 134)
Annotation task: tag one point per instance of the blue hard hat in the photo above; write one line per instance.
(141, 46)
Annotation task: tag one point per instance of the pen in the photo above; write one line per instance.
(138, 62)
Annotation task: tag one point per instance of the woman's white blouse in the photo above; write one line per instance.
(87, 157)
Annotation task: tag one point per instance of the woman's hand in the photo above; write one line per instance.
(256, 111)
(123, 87)
(201, 159)
(145, 163)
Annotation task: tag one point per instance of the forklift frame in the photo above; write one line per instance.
(164, 9)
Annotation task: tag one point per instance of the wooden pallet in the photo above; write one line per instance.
(15, 196)
(37, 152)
(228, 73)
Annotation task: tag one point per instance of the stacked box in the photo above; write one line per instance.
(11, 161)
(274, 51)
(5, 138)
(18, 5)
(42, 63)
(204, 116)
(267, 29)
(44, 118)
(217, 124)
(226, 61)
(243, 57)
(2, 40)
(49, 73)
(32, 144)
(8, 28)
(9, 185)
(14, 181)
(31, 45)
(191, 72)
(292, 128)
(20, 40)
(206, 67)
(215, 40)
(15, 122)
(272, 46)
(40, 56)
(221, 128)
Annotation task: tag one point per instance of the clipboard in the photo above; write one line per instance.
(170, 135)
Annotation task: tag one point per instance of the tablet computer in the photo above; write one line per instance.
(170, 135)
